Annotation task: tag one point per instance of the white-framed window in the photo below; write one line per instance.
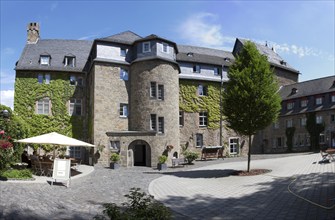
(124, 74)
(76, 80)
(202, 90)
(303, 122)
(181, 118)
(319, 119)
(75, 107)
(233, 145)
(75, 152)
(70, 61)
(123, 110)
(196, 68)
(43, 106)
(303, 103)
(161, 125)
(45, 60)
(146, 47)
(123, 52)
(160, 94)
(153, 91)
(318, 101)
(153, 122)
(199, 140)
(202, 119)
(276, 125)
(43, 78)
(165, 47)
(290, 105)
(333, 98)
(289, 123)
(216, 71)
(115, 145)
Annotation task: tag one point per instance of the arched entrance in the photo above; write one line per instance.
(142, 153)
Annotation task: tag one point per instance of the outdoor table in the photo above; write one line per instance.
(331, 153)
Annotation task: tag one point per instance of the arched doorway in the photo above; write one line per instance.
(142, 153)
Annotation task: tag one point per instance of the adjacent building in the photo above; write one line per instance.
(139, 96)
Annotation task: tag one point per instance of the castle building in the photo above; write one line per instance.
(139, 96)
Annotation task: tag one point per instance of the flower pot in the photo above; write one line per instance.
(162, 166)
(114, 166)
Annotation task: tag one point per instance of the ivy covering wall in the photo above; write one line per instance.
(190, 101)
(28, 91)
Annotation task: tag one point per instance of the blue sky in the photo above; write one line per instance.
(302, 32)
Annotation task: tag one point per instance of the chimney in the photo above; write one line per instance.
(33, 33)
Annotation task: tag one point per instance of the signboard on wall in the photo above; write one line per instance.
(61, 170)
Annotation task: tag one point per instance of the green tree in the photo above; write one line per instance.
(250, 100)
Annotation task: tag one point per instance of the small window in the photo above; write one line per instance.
(161, 125)
(75, 107)
(290, 105)
(322, 138)
(279, 142)
(216, 71)
(199, 140)
(40, 78)
(43, 106)
(303, 122)
(70, 61)
(47, 78)
(160, 94)
(303, 103)
(333, 98)
(123, 110)
(115, 145)
(202, 119)
(146, 47)
(202, 90)
(289, 123)
(233, 145)
(45, 60)
(74, 80)
(332, 118)
(165, 48)
(181, 118)
(43, 78)
(153, 123)
(318, 101)
(75, 152)
(196, 68)
(153, 92)
(123, 74)
(123, 52)
(319, 119)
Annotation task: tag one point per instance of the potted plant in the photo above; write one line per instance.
(115, 158)
(162, 162)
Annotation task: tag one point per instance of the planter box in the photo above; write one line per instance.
(162, 166)
(114, 166)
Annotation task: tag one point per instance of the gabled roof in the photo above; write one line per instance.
(272, 56)
(308, 88)
(156, 37)
(57, 50)
(204, 55)
(126, 37)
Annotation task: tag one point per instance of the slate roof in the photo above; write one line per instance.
(126, 37)
(272, 56)
(308, 88)
(204, 55)
(57, 49)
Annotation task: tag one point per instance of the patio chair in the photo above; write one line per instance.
(37, 168)
(325, 157)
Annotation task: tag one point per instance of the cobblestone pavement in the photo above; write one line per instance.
(183, 189)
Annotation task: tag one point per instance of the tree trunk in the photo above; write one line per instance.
(249, 153)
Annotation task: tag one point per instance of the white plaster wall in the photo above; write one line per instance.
(109, 52)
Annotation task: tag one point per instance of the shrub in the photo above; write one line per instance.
(139, 206)
(115, 157)
(190, 156)
(16, 174)
(162, 159)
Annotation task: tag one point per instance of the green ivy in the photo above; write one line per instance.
(289, 136)
(28, 91)
(189, 101)
(314, 129)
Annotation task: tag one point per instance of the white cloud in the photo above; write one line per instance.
(7, 98)
(7, 78)
(201, 29)
(8, 51)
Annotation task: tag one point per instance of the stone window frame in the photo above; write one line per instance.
(160, 92)
(203, 119)
(199, 140)
(153, 122)
(233, 146)
(160, 126)
(45, 102)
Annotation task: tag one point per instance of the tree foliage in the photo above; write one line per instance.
(250, 100)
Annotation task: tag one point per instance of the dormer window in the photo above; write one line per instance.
(190, 54)
(216, 71)
(294, 91)
(165, 48)
(70, 61)
(196, 68)
(45, 60)
(146, 47)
